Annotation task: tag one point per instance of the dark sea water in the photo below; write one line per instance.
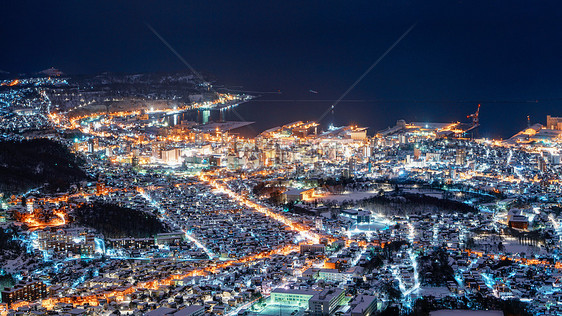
(498, 119)
(502, 54)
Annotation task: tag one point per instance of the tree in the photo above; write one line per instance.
(115, 222)
(392, 291)
(501, 247)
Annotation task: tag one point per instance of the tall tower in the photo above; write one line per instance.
(461, 157)
(351, 167)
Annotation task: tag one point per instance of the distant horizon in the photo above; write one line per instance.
(259, 99)
(457, 51)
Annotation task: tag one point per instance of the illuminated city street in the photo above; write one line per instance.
(335, 159)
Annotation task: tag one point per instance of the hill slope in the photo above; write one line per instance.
(32, 163)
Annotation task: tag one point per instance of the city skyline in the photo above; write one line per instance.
(274, 158)
(459, 54)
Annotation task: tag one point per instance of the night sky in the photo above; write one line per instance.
(503, 54)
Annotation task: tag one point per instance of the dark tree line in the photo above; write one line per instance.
(31, 163)
(375, 262)
(8, 240)
(434, 268)
(10, 246)
(114, 221)
(412, 203)
(556, 210)
(511, 307)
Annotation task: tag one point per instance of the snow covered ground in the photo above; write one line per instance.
(359, 195)
(514, 247)
(435, 291)
(350, 196)
(433, 193)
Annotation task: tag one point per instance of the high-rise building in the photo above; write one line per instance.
(351, 167)
(26, 291)
(171, 156)
(319, 223)
(232, 161)
(70, 242)
(215, 160)
(90, 146)
(135, 161)
(30, 205)
(367, 151)
(99, 187)
(541, 164)
(461, 157)
(553, 122)
(93, 145)
(417, 153)
(156, 150)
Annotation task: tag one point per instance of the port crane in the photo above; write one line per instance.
(475, 117)
(475, 122)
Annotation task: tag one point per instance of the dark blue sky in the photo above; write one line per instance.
(500, 53)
